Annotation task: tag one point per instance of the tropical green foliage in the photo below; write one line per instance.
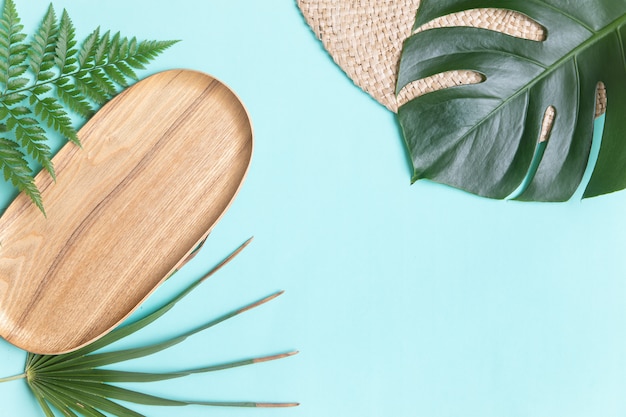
(75, 383)
(41, 78)
(483, 138)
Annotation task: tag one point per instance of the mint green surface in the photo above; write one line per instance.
(403, 300)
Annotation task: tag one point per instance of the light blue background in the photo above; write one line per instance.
(403, 300)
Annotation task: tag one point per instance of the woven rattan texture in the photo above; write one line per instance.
(365, 38)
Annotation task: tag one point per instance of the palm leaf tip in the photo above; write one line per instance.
(482, 137)
(276, 405)
(275, 357)
(260, 302)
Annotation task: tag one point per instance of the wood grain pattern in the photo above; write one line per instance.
(160, 164)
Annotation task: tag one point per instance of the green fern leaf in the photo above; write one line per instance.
(16, 71)
(27, 130)
(125, 69)
(148, 50)
(18, 51)
(33, 138)
(4, 69)
(41, 53)
(19, 111)
(115, 75)
(46, 78)
(114, 48)
(16, 83)
(65, 45)
(13, 98)
(100, 57)
(103, 82)
(91, 89)
(132, 46)
(135, 63)
(123, 49)
(16, 170)
(39, 90)
(74, 99)
(10, 20)
(12, 52)
(88, 50)
(51, 112)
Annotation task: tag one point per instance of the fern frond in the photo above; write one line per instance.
(13, 98)
(51, 112)
(13, 51)
(102, 82)
(16, 170)
(73, 99)
(41, 53)
(91, 89)
(17, 70)
(88, 49)
(101, 51)
(148, 50)
(125, 69)
(15, 82)
(32, 138)
(54, 76)
(66, 42)
(115, 75)
(19, 118)
(114, 48)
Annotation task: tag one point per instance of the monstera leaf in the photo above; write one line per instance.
(484, 137)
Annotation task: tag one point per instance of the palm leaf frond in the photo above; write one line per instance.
(75, 384)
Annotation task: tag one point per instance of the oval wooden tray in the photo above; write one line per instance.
(160, 164)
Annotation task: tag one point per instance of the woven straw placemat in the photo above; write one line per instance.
(365, 38)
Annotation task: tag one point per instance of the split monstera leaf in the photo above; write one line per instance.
(490, 137)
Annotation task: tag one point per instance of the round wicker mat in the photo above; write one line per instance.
(364, 37)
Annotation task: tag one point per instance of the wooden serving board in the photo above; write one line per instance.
(160, 164)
